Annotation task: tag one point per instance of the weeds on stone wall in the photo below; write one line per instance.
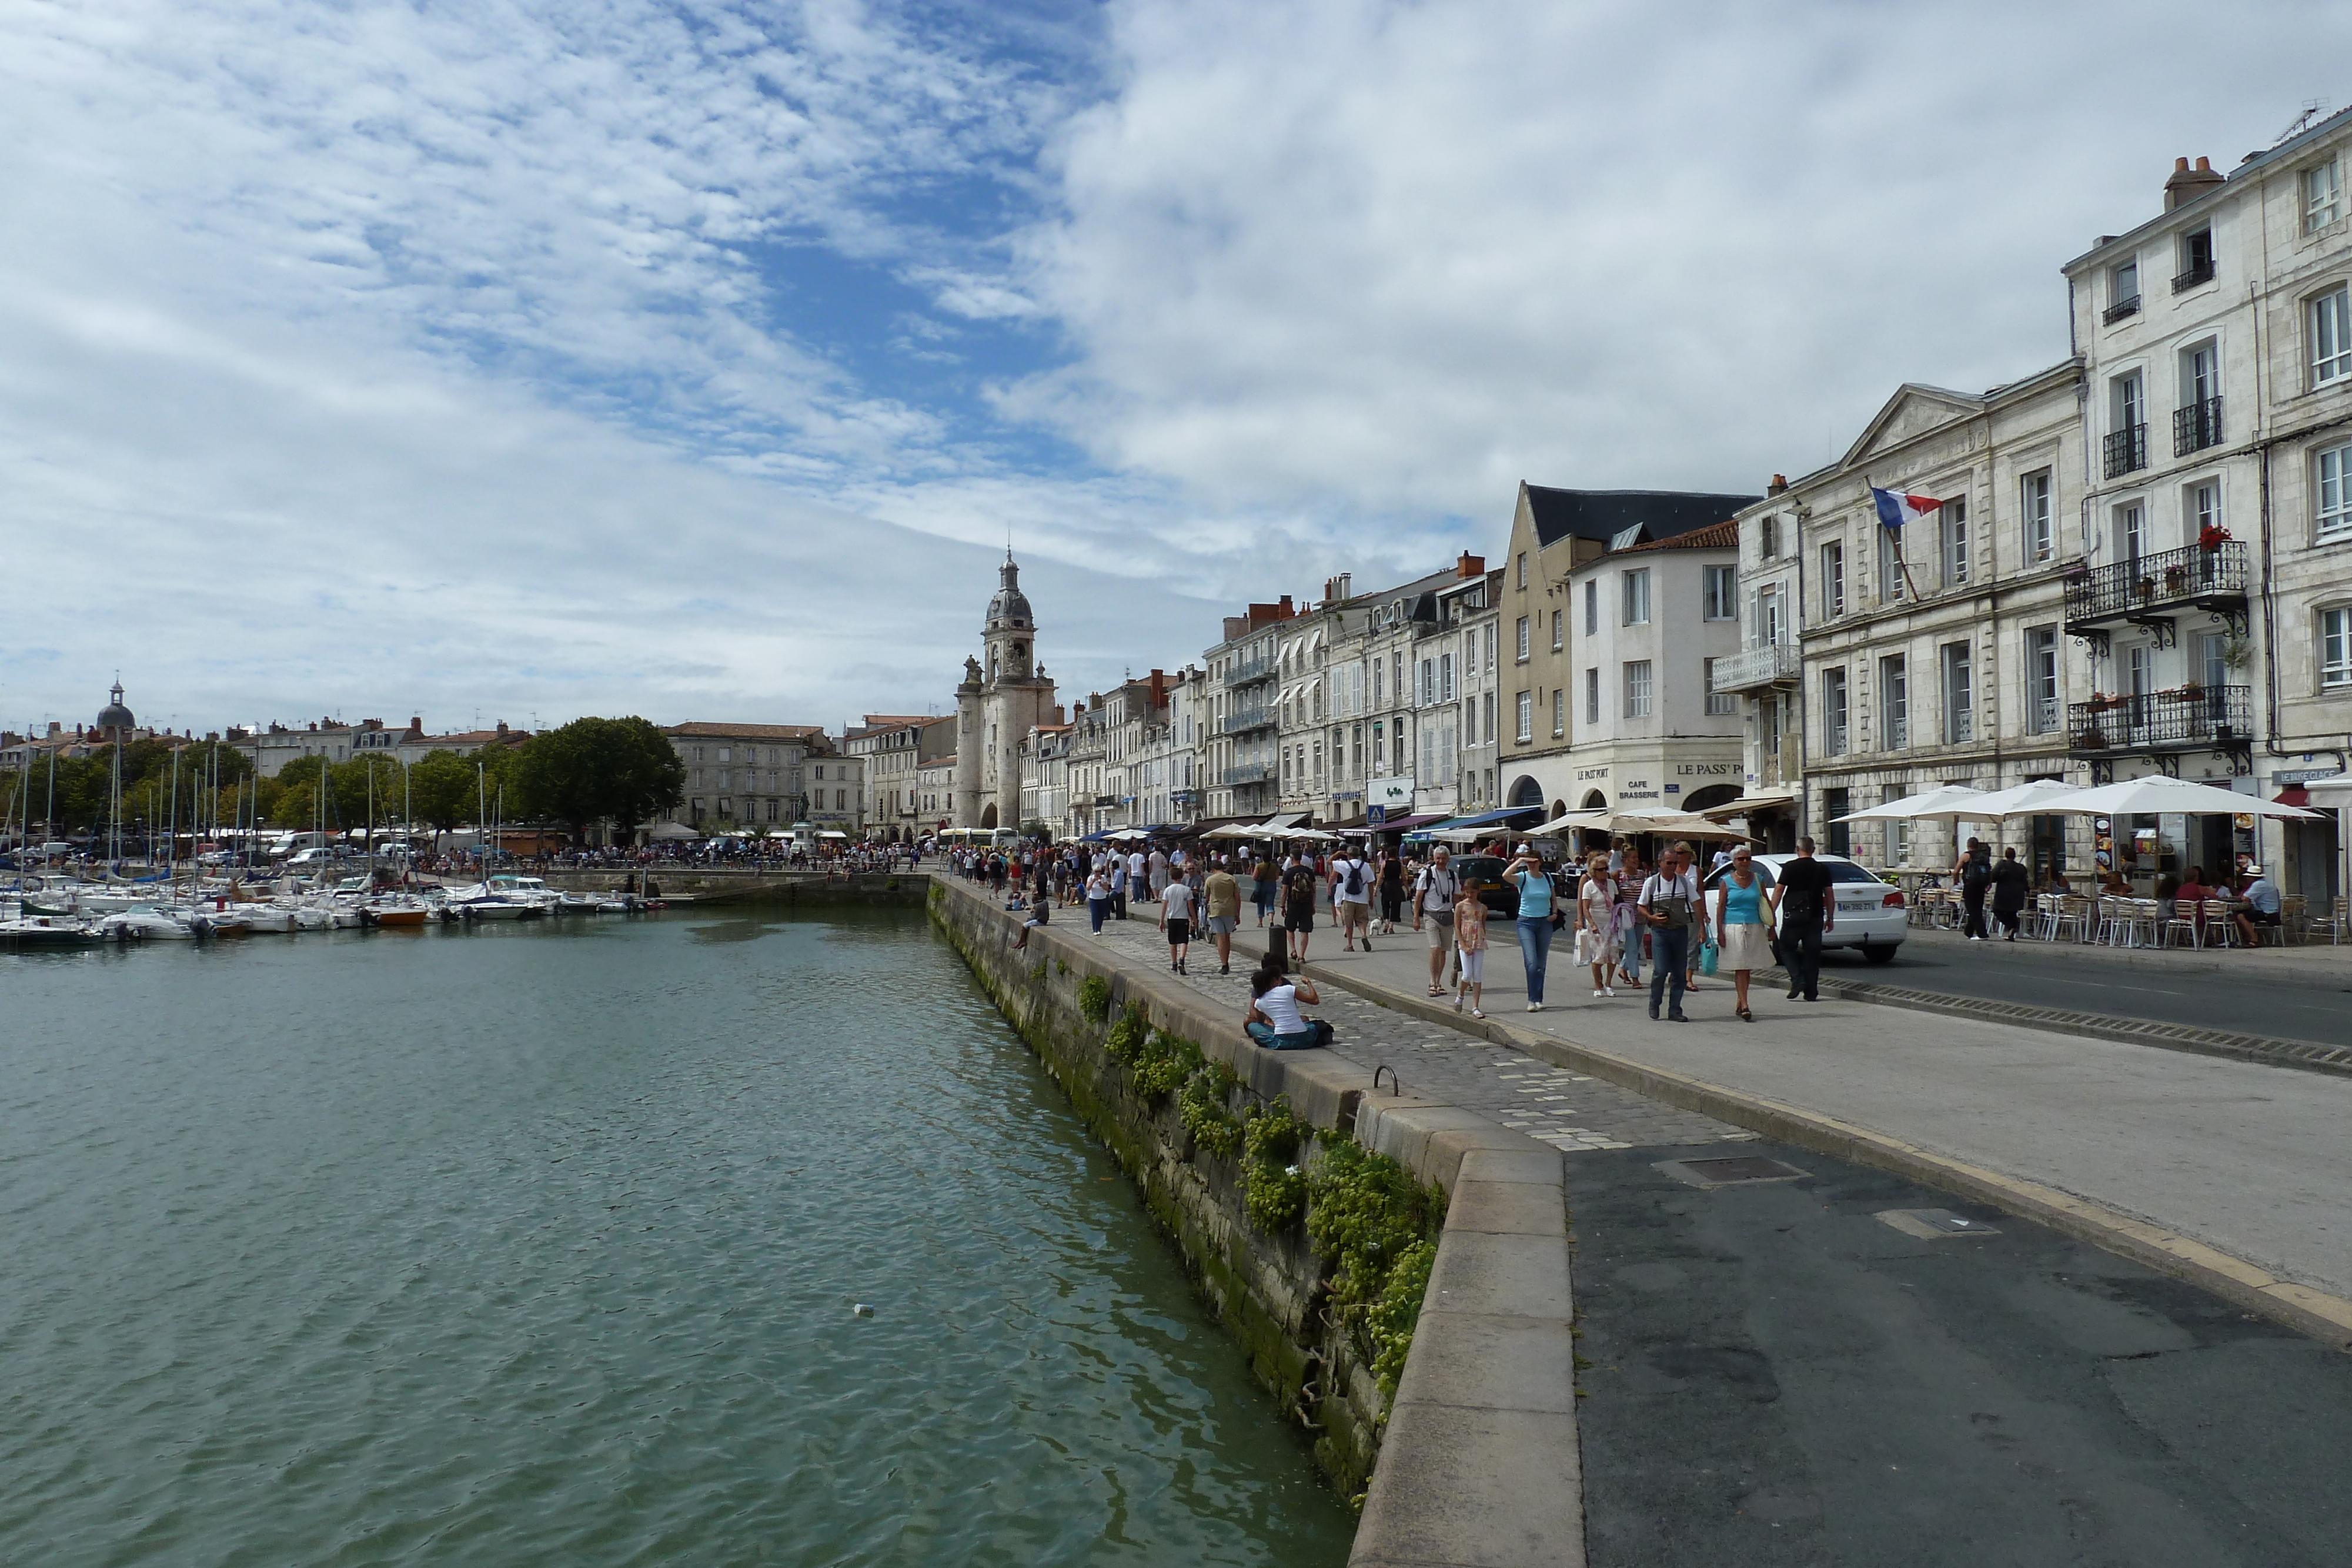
(1378, 1227)
(1206, 1107)
(1164, 1064)
(1094, 998)
(1125, 1041)
(1275, 1187)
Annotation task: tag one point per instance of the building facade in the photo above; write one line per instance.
(756, 776)
(1878, 663)
(2215, 596)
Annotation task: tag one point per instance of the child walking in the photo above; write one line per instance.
(1470, 941)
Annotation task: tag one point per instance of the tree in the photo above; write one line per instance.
(594, 768)
(441, 790)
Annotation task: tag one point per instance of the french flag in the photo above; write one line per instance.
(1895, 509)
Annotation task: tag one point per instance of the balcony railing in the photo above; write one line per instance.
(1250, 773)
(1251, 670)
(2119, 309)
(2168, 579)
(1771, 665)
(2124, 450)
(2200, 271)
(2196, 427)
(1248, 718)
(2188, 719)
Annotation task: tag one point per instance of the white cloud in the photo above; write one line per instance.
(393, 355)
(1382, 260)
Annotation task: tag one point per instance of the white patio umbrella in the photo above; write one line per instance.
(1944, 802)
(1691, 825)
(665, 831)
(2158, 794)
(1308, 834)
(2034, 798)
(1599, 821)
(1234, 831)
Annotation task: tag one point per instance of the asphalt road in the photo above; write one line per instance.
(1774, 1375)
(2042, 975)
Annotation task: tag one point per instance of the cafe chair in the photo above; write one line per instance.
(2181, 924)
(2220, 930)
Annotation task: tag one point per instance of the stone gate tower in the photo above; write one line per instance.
(1005, 694)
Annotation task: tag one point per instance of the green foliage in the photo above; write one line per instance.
(1126, 1036)
(441, 791)
(1205, 1106)
(1094, 998)
(1379, 1227)
(1396, 1313)
(594, 768)
(1165, 1062)
(1276, 1188)
(1061, 966)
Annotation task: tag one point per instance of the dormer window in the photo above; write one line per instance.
(2122, 292)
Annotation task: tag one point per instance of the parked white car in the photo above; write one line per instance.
(1871, 916)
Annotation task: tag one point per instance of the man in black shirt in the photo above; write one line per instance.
(1801, 900)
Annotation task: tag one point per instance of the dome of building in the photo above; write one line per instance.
(114, 715)
(1011, 606)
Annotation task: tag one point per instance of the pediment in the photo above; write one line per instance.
(1913, 409)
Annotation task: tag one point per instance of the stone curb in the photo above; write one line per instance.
(1481, 1461)
(2324, 1317)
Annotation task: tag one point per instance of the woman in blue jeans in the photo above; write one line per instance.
(1534, 884)
(1098, 899)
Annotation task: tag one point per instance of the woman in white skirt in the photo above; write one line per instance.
(1596, 922)
(1744, 918)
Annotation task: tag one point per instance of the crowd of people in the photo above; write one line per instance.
(1622, 912)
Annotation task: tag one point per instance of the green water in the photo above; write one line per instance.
(538, 1245)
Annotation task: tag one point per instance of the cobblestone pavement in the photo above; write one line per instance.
(1567, 1110)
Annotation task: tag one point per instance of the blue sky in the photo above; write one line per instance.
(695, 359)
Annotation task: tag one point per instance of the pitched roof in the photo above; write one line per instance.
(1601, 515)
(1714, 536)
(892, 720)
(747, 731)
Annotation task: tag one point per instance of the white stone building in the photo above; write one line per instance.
(1878, 663)
(1648, 621)
(996, 708)
(1240, 763)
(2217, 341)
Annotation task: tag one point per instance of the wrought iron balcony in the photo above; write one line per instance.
(1248, 718)
(2200, 271)
(2124, 450)
(2119, 309)
(2191, 718)
(1255, 669)
(2196, 427)
(1250, 773)
(1771, 665)
(2194, 578)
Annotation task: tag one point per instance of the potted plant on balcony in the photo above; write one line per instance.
(2176, 578)
(2147, 586)
(2194, 692)
(2091, 739)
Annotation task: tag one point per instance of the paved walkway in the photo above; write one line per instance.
(1566, 1110)
(2251, 1160)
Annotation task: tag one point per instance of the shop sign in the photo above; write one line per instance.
(1394, 793)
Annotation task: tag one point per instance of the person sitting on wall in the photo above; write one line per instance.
(1274, 1021)
(1039, 911)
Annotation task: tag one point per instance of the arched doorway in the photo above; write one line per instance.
(1713, 795)
(1560, 808)
(1594, 800)
(1525, 791)
(988, 816)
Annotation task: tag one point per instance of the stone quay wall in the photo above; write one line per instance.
(723, 886)
(1475, 1459)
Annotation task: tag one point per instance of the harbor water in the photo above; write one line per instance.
(544, 1244)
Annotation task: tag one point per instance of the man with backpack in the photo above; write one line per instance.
(1351, 898)
(1434, 891)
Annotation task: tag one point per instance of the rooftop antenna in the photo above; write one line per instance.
(2312, 108)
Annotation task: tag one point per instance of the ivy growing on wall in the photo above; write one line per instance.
(1378, 1227)
(1274, 1186)
(1206, 1107)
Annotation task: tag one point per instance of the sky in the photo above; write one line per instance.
(521, 361)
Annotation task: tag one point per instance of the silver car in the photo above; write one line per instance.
(1870, 912)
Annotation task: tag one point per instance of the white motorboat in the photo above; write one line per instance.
(150, 924)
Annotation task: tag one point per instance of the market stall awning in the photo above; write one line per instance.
(1778, 800)
(1400, 824)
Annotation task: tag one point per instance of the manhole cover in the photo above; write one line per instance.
(1731, 1171)
(1934, 1224)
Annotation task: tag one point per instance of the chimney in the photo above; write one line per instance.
(1335, 588)
(2186, 185)
(502, 727)
(1779, 485)
(1284, 604)
(1470, 566)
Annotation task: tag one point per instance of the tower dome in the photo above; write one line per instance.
(1010, 607)
(114, 715)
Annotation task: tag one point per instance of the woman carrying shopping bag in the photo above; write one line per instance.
(1596, 922)
(1743, 920)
